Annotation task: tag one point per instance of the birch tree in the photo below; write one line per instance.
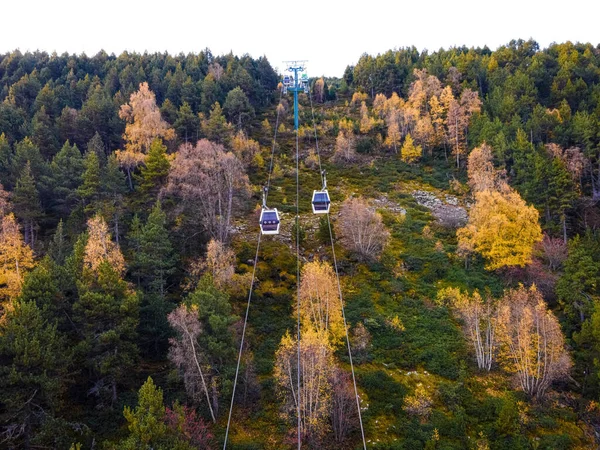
(187, 356)
(211, 185)
(532, 345)
(362, 230)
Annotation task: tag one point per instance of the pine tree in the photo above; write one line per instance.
(155, 171)
(66, 174)
(155, 259)
(107, 315)
(26, 204)
(58, 246)
(113, 189)
(187, 124)
(97, 146)
(35, 361)
(216, 127)
(89, 190)
(146, 422)
(580, 281)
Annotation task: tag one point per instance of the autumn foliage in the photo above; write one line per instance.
(361, 229)
(532, 344)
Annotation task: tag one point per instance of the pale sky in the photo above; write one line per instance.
(330, 35)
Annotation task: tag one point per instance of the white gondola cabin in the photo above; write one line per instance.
(320, 202)
(269, 221)
(269, 217)
(320, 199)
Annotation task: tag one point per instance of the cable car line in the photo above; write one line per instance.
(260, 233)
(337, 275)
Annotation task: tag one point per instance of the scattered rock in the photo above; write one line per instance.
(385, 203)
(448, 214)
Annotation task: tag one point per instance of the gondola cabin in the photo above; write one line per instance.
(287, 81)
(269, 221)
(321, 202)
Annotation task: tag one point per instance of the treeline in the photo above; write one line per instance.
(54, 98)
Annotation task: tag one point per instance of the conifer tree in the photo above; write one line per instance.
(26, 204)
(216, 127)
(154, 260)
(97, 146)
(89, 190)
(187, 124)
(66, 173)
(41, 286)
(58, 246)
(35, 361)
(153, 174)
(113, 189)
(146, 425)
(579, 283)
(106, 313)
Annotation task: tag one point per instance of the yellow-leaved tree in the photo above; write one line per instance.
(16, 259)
(316, 368)
(502, 228)
(320, 306)
(410, 152)
(100, 247)
(532, 345)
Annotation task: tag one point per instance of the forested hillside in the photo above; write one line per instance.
(463, 233)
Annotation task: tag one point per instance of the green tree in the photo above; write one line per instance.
(187, 124)
(216, 127)
(147, 428)
(107, 315)
(89, 190)
(44, 133)
(26, 204)
(153, 174)
(237, 107)
(154, 260)
(96, 145)
(27, 151)
(578, 285)
(35, 361)
(217, 339)
(66, 172)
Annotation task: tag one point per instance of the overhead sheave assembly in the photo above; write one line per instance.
(320, 199)
(269, 218)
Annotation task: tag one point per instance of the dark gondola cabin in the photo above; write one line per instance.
(320, 202)
(269, 221)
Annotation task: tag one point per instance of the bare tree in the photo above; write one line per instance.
(319, 90)
(211, 184)
(345, 147)
(362, 230)
(479, 325)
(344, 416)
(186, 355)
(531, 341)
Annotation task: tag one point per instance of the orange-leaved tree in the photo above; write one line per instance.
(144, 124)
